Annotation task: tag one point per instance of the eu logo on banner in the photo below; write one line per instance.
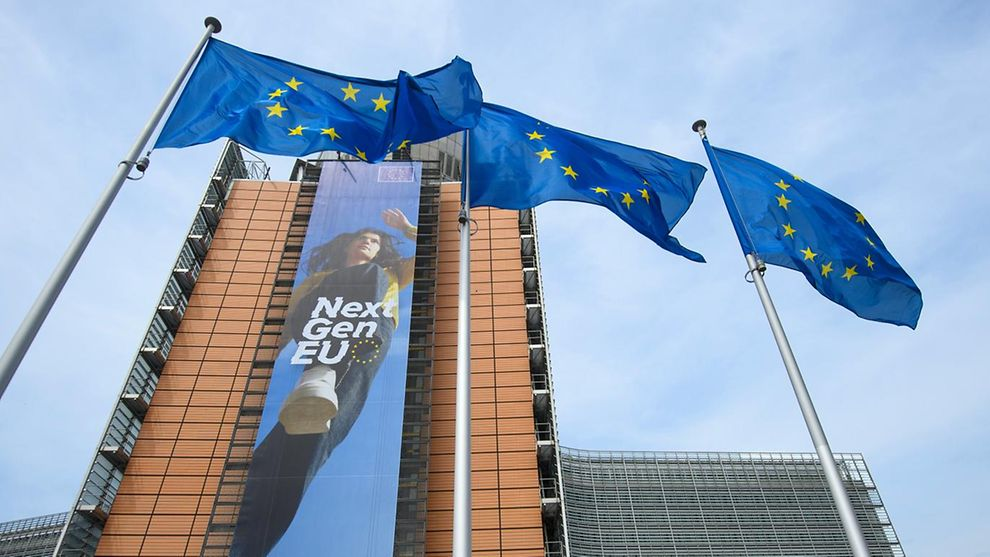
(786, 221)
(276, 107)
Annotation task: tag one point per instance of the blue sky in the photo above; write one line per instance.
(883, 104)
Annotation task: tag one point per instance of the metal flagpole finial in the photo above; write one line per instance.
(215, 23)
(699, 127)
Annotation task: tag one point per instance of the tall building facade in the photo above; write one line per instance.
(169, 475)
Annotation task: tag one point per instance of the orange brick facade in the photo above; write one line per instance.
(505, 486)
(164, 502)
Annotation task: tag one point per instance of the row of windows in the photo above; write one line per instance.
(717, 504)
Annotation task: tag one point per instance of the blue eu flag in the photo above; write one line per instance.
(518, 162)
(272, 106)
(786, 221)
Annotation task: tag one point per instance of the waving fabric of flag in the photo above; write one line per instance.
(786, 221)
(276, 107)
(518, 162)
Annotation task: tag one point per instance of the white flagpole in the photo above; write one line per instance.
(854, 534)
(32, 322)
(462, 438)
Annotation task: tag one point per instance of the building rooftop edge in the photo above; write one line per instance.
(709, 455)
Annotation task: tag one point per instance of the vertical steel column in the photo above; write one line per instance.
(462, 439)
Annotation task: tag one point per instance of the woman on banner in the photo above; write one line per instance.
(362, 268)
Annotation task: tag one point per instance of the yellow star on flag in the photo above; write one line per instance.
(276, 93)
(782, 184)
(788, 231)
(293, 84)
(826, 269)
(869, 262)
(545, 154)
(627, 200)
(361, 154)
(860, 219)
(296, 130)
(782, 201)
(350, 92)
(534, 135)
(276, 110)
(645, 194)
(601, 190)
(808, 254)
(405, 143)
(798, 178)
(869, 241)
(381, 103)
(332, 132)
(568, 171)
(850, 273)
(645, 183)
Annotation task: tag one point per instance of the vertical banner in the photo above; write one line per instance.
(325, 473)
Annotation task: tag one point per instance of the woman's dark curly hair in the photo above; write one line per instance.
(333, 254)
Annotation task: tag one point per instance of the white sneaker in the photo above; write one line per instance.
(312, 404)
